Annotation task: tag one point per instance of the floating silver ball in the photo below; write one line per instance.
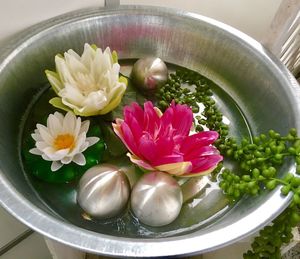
(156, 199)
(103, 191)
(148, 73)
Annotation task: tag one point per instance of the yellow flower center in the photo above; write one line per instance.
(64, 141)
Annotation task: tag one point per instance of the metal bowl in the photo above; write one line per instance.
(260, 85)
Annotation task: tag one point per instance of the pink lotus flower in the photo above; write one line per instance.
(162, 142)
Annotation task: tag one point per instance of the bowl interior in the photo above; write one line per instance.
(261, 90)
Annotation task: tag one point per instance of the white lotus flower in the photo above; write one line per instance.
(87, 85)
(63, 140)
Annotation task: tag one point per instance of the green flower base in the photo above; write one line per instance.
(42, 169)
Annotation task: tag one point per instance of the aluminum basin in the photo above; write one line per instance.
(260, 85)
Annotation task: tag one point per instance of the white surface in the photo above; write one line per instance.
(9, 227)
(33, 247)
(250, 16)
(16, 15)
(234, 251)
(60, 251)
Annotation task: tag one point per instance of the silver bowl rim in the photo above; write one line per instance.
(15, 203)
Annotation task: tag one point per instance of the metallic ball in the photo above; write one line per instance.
(148, 73)
(103, 191)
(156, 199)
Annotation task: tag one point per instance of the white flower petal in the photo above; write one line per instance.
(45, 134)
(108, 57)
(69, 123)
(92, 140)
(55, 82)
(63, 71)
(45, 157)
(83, 147)
(67, 160)
(75, 65)
(55, 155)
(35, 151)
(71, 96)
(54, 124)
(56, 165)
(59, 124)
(79, 159)
(36, 136)
(80, 140)
(60, 117)
(95, 101)
(84, 126)
(74, 54)
(119, 89)
(88, 55)
(41, 145)
(88, 83)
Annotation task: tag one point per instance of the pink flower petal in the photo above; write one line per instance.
(204, 163)
(164, 146)
(182, 118)
(129, 138)
(199, 151)
(151, 119)
(167, 118)
(162, 142)
(117, 129)
(167, 160)
(147, 147)
(136, 111)
(203, 138)
(134, 126)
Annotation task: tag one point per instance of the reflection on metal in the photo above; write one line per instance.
(193, 187)
(205, 42)
(156, 199)
(148, 73)
(103, 191)
(284, 37)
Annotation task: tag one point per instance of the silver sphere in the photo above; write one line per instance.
(156, 199)
(103, 191)
(148, 73)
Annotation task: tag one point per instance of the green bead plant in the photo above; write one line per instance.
(258, 160)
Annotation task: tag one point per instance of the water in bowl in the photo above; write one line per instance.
(198, 211)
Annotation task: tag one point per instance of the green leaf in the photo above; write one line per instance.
(114, 145)
(94, 47)
(54, 80)
(114, 55)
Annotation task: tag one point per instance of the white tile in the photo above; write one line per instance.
(10, 227)
(61, 251)
(33, 247)
(234, 251)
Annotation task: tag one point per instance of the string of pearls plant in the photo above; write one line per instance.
(258, 160)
